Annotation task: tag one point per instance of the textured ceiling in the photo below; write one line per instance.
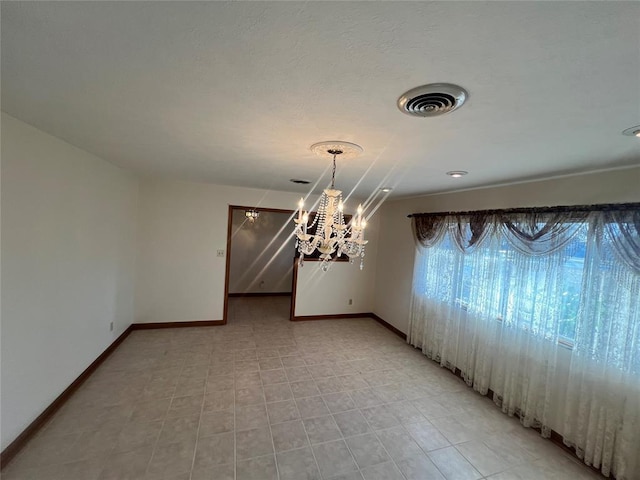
(236, 92)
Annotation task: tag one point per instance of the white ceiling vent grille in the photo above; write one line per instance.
(432, 100)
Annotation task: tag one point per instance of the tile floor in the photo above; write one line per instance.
(265, 399)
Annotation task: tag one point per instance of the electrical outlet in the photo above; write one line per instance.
(220, 253)
(351, 301)
(111, 327)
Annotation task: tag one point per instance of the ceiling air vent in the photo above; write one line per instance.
(432, 100)
(301, 182)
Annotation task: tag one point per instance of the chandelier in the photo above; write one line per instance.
(328, 233)
(251, 215)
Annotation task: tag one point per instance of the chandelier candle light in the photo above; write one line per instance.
(251, 215)
(332, 235)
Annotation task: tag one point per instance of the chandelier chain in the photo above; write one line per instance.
(333, 173)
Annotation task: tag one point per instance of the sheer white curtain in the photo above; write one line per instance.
(602, 416)
(507, 299)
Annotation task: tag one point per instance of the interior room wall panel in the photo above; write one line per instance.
(182, 226)
(69, 223)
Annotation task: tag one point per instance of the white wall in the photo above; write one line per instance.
(396, 249)
(68, 253)
(182, 224)
(328, 293)
(261, 253)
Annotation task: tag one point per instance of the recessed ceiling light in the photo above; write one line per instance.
(301, 182)
(457, 173)
(632, 132)
(386, 189)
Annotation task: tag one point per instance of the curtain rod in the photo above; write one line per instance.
(604, 207)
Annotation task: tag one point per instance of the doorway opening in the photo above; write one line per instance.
(260, 262)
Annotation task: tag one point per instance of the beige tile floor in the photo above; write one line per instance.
(262, 398)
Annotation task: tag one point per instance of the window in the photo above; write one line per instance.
(499, 295)
(542, 277)
(502, 283)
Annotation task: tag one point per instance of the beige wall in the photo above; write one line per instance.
(182, 224)
(328, 293)
(396, 250)
(68, 254)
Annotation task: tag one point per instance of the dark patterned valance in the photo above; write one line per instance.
(535, 231)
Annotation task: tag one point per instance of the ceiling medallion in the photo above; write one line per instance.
(330, 232)
(347, 150)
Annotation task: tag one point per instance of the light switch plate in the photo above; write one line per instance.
(220, 253)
